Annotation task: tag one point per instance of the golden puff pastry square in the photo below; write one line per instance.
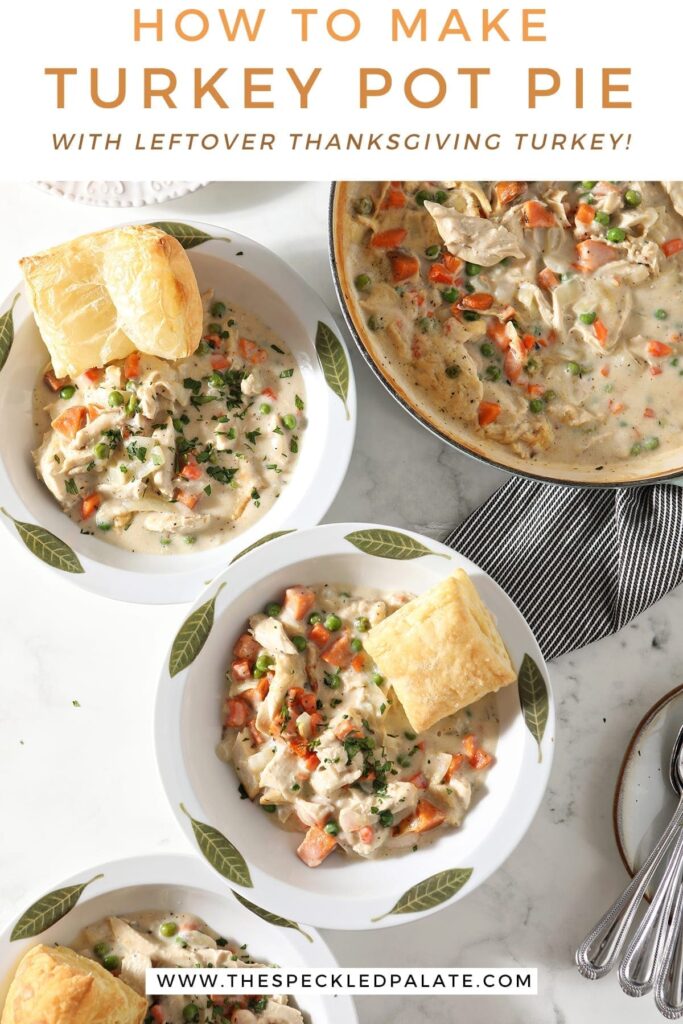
(101, 296)
(441, 651)
(55, 985)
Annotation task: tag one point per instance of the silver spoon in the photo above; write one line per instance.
(599, 951)
(669, 977)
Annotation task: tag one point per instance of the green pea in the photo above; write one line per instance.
(362, 282)
(573, 368)
(332, 828)
(101, 949)
(218, 309)
(636, 449)
(470, 315)
(425, 323)
(453, 370)
(314, 618)
(169, 928)
(356, 645)
(214, 329)
(264, 408)
(375, 323)
(651, 443)
(616, 235)
(269, 808)
(333, 622)
(588, 318)
(549, 396)
(486, 349)
(450, 295)
(632, 197)
(588, 185)
(289, 421)
(264, 661)
(190, 1012)
(432, 252)
(422, 196)
(67, 392)
(216, 381)
(377, 679)
(258, 673)
(102, 451)
(365, 205)
(536, 405)
(300, 642)
(273, 609)
(116, 399)
(661, 314)
(362, 624)
(111, 962)
(203, 347)
(472, 269)
(492, 372)
(440, 197)
(132, 405)
(602, 218)
(386, 819)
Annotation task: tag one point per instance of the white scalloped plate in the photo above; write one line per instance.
(120, 193)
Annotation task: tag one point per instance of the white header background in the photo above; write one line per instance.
(584, 33)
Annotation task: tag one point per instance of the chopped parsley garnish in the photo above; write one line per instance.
(286, 373)
(221, 474)
(299, 403)
(251, 435)
(71, 486)
(192, 385)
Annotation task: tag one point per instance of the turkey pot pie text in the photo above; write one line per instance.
(319, 739)
(546, 317)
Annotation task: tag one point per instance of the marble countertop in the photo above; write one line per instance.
(79, 784)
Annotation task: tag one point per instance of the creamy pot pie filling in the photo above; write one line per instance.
(319, 740)
(156, 456)
(127, 946)
(543, 316)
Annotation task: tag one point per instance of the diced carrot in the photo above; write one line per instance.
(478, 300)
(339, 654)
(240, 669)
(457, 762)
(187, 499)
(299, 748)
(94, 375)
(537, 215)
(237, 713)
(659, 349)
(488, 413)
(319, 635)
(158, 1014)
(672, 247)
(438, 274)
(54, 383)
(512, 365)
(93, 412)
(345, 729)
(616, 407)
(251, 351)
(191, 470)
(394, 200)
(403, 266)
(497, 332)
(390, 239)
(425, 818)
(89, 504)
(317, 845)
(220, 362)
(70, 421)
(508, 191)
(358, 662)
(649, 413)
(366, 834)
(419, 781)
(269, 393)
(469, 744)
(480, 759)
(299, 601)
(451, 262)
(529, 340)
(548, 278)
(655, 371)
(299, 700)
(247, 647)
(308, 702)
(131, 367)
(592, 253)
(214, 340)
(585, 213)
(604, 371)
(257, 694)
(535, 390)
(600, 331)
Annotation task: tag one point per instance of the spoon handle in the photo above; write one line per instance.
(642, 958)
(599, 951)
(669, 980)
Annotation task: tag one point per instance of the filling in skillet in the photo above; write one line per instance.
(127, 946)
(318, 738)
(156, 456)
(543, 316)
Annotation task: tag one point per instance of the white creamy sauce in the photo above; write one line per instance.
(167, 457)
(319, 740)
(128, 945)
(545, 317)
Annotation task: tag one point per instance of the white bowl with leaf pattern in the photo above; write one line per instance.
(179, 884)
(244, 845)
(241, 271)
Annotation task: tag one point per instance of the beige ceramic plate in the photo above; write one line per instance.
(660, 466)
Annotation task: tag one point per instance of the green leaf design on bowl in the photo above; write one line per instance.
(45, 546)
(264, 540)
(7, 332)
(220, 852)
(265, 915)
(430, 893)
(390, 544)
(534, 700)
(188, 236)
(333, 362)
(192, 635)
(50, 908)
